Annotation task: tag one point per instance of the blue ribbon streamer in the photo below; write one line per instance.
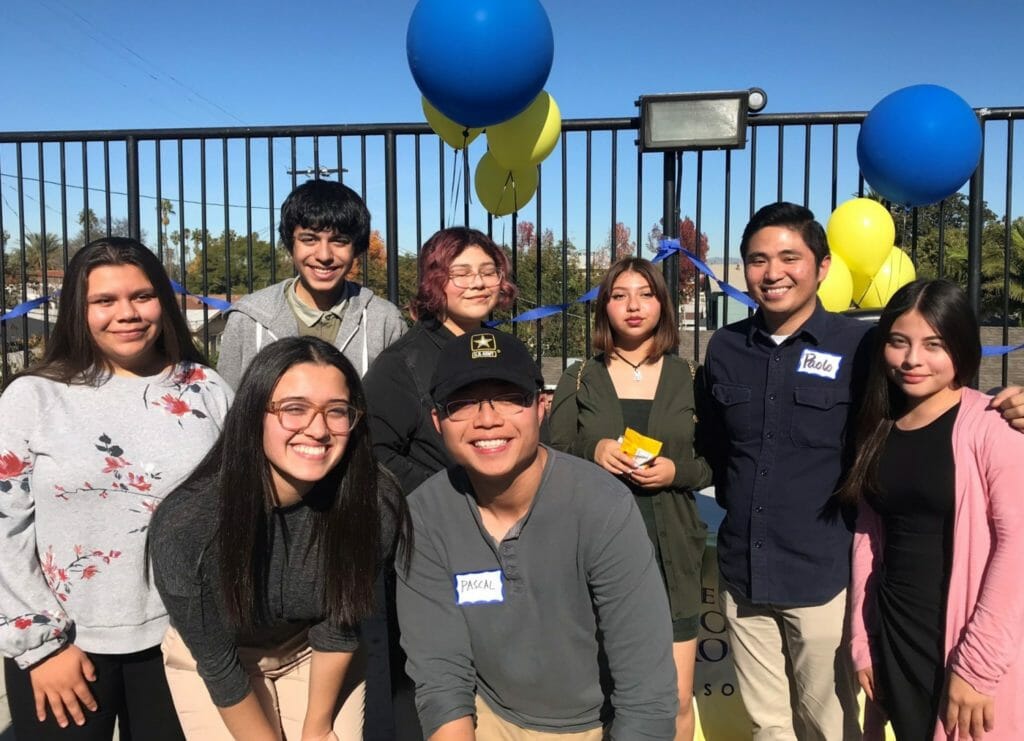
(27, 306)
(214, 303)
(666, 248)
(989, 351)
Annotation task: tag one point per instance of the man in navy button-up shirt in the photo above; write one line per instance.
(778, 390)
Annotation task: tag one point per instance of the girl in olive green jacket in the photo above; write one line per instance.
(636, 380)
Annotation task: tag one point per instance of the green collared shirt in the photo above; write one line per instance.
(312, 321)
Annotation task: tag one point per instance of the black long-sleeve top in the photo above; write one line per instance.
(186, 571)
(398, 399)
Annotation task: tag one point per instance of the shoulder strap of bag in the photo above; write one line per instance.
(693, 369)
(579, 374)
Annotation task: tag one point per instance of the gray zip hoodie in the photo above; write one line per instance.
(370, 324)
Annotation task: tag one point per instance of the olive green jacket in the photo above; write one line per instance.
(586, 409)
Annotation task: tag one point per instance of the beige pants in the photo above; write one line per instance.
(491, 727)
(793, 669)
(279, 676)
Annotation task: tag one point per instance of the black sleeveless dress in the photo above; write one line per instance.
(917, 478)
(635, 413)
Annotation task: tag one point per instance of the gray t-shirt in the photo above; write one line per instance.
(532, 624)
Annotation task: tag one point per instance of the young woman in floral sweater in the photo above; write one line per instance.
(117, 413)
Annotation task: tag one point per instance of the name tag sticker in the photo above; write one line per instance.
(818, 363)
(479, 587)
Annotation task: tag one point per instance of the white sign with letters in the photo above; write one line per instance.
(819, 363)
(479, 587)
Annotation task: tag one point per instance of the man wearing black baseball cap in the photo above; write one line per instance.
(531, 603)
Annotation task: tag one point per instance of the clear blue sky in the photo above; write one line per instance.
(115, 64)
(109, 64)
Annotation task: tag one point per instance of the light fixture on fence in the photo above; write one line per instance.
(676, 122)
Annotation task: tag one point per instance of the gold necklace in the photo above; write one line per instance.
(635, 366)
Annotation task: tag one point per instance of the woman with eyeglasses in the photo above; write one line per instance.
(92, 439)
(266, 556)
(463, 278)
(637, 380)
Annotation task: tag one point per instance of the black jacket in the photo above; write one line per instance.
(398, 397)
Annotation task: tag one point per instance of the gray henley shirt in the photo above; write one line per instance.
(581, 599)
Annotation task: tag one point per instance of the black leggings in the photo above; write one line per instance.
(129, 688)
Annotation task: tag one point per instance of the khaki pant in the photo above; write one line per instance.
(279, 676)
(793, 669)
(491, 727)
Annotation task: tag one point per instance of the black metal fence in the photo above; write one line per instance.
(207, 199)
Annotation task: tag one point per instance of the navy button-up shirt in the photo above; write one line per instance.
(773, 423)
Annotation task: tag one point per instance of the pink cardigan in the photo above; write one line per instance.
(985, 605)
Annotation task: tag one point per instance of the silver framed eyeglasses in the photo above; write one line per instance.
(507, 405)
(489, 277)
(295, 415)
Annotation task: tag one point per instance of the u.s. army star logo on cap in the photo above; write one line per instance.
(484, 346)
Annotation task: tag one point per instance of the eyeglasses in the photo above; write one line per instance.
(296, 416)
(465, 278)
(507, 405)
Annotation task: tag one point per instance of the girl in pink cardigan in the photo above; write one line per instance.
(937, 607)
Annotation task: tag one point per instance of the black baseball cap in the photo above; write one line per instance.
(483, 355)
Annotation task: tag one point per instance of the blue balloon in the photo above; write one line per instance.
(479, 62)
(919, 145)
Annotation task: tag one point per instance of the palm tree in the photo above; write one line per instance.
(166, 210)
(36, 246)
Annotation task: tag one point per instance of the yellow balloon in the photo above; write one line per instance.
(896, 272)
(502, 190)
(861, 283)
(526, 139)
(862, 232)
(836, 290)
(453, 134)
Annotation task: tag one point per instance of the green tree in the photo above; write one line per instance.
(555, 286)
(994, 269)
(11, 276)
(39, 247)
(91, 227)
(165, 209)
(941, 247)
(377, 271)
(210, 254)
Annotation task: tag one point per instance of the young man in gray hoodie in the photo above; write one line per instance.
(326, 227)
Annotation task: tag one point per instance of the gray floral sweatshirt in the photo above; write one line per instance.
(82, 469)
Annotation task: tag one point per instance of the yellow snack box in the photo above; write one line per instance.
(643, 449)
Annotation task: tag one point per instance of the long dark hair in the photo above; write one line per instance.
(71, 353)
(345, 504)
(666, 334)
(946, 309)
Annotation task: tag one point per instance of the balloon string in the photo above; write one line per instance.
(465, 169)
(510, 179)
(453, 189)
